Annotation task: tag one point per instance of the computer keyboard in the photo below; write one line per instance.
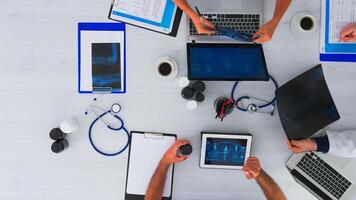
(247, 23)
(324, 174)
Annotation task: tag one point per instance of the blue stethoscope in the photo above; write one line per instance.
(114, 110)
(253, 108)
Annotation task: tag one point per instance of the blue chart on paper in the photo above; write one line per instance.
(221, 151)
(166, 19)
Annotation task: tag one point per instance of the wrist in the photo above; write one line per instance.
(259, 174)
(314, 145)
(195, 18)
(164, 162)
(275, 21)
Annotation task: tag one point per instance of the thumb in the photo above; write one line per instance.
(295, 143)
(257, 34)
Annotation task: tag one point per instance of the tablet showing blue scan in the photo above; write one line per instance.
(225, 151)
(226, 62)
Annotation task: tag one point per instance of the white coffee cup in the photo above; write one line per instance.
(69, 125)
(303, 25)
(166, 68)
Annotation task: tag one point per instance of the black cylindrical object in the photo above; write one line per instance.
(199, 97)
(57, 134)
(59, 146)
(187, 93)
(185, 150)
(198, 86)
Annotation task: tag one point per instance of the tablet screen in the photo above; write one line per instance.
(221, 151)
(226, 62)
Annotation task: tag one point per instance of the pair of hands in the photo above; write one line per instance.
(265, 33)
(348, 33)
(251, 168)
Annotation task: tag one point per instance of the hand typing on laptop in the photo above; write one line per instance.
(264, 34)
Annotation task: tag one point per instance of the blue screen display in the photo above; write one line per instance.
(227, 63)
(225, 151)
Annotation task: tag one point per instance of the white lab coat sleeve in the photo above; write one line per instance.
(343, 143)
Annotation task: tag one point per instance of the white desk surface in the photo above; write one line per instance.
(38, 86)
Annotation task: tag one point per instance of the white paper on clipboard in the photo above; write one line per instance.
(145, 154)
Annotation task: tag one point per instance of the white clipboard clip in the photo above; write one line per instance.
(157, 136)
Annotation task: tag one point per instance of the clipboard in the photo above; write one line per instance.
(170, 28)
(334, 52)
(146, 150)
(96, 38)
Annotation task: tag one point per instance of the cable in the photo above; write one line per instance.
(237, 101)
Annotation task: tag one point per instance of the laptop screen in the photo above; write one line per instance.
(226, 62)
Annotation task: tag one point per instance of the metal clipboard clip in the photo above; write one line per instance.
(156, 136)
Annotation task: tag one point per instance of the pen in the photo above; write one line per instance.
(196, 8)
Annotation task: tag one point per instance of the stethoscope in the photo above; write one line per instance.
(253, 107)
(114, 110)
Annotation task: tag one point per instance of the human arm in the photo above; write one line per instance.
(252, 169)
(265, 33)
(156, 185)
(341, 144)
(202, 25)
(348, 33)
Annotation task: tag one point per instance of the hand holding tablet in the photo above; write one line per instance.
(225, 150)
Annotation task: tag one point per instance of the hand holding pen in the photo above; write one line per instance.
(203, 25)
(348, 33)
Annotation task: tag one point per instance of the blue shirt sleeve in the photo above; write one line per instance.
(322, 143)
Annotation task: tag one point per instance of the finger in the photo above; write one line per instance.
(297, 143)
(347, 28)
(207, 23)
(261, 39)
(182, 142)
(257, 34)
(182, 158)
(251, 159)
(248, 175)
(349, 39)
(207, 32)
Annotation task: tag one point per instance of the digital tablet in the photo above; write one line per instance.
(224, 150)
(226, 62)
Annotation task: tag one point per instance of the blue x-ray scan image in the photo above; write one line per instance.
(225, 151)
(106, 68)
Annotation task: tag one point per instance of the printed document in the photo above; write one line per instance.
(152, 10)
(341, 12)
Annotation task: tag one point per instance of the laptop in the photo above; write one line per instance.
(326, 177)
(241, 15)
(305, 104)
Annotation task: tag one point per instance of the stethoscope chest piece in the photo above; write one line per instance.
(252, 108)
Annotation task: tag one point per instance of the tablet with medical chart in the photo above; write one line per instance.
(224, 150)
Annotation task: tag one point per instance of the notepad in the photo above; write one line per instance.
(146, 150)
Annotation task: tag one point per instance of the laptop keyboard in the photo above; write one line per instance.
(247, 23)
(324, 174)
